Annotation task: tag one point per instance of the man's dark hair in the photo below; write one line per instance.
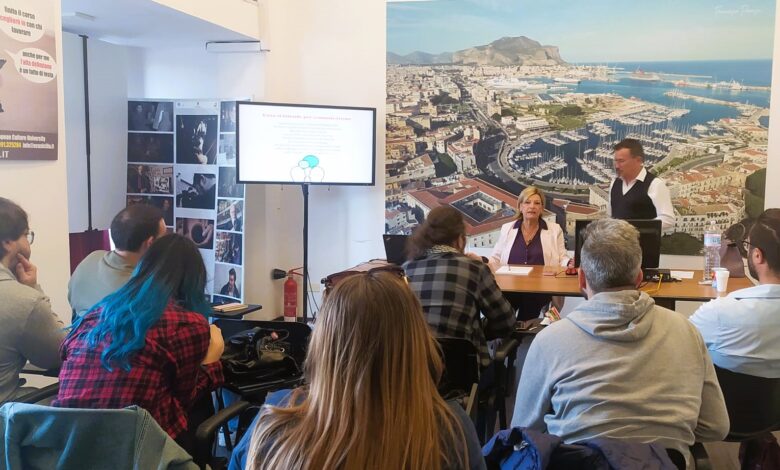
(135, 224)
(13, 222)
(765, 235)
(232, 272)
(634, 146)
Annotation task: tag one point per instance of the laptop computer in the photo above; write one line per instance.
(395, 248)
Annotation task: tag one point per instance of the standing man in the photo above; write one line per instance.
(30, 330)
(637, 193)
(102, 272)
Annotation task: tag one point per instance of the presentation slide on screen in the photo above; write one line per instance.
(293, 144)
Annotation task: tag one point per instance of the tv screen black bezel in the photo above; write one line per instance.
(640, 224)
(298, 105)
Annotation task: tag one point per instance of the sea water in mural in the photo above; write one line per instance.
(511, 94)
(28, 80)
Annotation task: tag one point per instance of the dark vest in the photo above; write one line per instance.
(635, 204)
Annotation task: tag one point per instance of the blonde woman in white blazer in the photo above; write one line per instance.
(530, 240)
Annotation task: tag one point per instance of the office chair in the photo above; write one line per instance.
(753, 404)
(461, 372)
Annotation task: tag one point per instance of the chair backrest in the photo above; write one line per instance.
(298, 340)
(753, 403)
(42, 437)
(461, 367)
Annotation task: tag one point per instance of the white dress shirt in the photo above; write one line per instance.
(742, 330)
(658, 193)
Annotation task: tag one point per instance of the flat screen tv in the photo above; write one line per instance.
(649, 240)
(305, 144)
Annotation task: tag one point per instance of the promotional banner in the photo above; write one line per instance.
(181, 158)
(28, 80)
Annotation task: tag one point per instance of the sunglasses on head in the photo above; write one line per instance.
(331, 281)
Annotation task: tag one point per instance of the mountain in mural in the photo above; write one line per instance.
(418, 58)
(505, 51)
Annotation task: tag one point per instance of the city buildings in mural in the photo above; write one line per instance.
(472, 128)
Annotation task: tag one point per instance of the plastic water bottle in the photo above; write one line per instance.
(711, 250)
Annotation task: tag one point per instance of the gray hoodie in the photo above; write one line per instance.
(30, 331)
(619, 366)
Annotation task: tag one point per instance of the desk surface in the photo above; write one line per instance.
(237, 313)
(686, 289)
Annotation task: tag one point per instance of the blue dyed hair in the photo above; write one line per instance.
(171, 270)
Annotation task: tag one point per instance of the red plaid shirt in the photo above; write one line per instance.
(165, 378)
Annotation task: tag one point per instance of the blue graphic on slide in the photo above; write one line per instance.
(308, 170)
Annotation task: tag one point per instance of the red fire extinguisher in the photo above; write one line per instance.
(291, 296)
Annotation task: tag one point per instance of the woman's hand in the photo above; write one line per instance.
(216, 346)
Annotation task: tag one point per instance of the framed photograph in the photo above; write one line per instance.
(152, 116)
(227, 183)
(228, 248)
(200, 231)
(149, 179)
(196, 139)
(230, 215)
(149, 148)
(195, 189)
(165, 204)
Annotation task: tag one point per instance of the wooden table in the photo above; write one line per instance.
(666, 296)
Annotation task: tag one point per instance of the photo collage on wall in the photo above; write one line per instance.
(181, 157)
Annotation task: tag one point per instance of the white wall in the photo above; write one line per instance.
(236, 15)
(773, 168)
(40, 188)
(108, 70)
(323, 53)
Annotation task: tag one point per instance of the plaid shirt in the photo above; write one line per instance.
(165, 378)
(453, 290)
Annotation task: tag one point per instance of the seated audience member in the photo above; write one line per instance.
(742, 330)
(149, 343)
(30, 330)
(371, 399)
(455, 288)
(102, 272)
(619, 366)
(530, 240)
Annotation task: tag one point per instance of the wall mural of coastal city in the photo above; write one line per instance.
(486, 97)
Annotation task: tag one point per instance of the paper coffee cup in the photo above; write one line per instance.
(721, 279)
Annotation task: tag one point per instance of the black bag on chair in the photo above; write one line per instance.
(257, 355)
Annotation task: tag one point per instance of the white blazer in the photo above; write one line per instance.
(553, 246)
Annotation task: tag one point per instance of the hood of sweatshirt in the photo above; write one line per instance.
(6, 274)
(615, 316)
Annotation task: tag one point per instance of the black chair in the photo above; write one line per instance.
(753, 404)
(504, 361)
(40, 396)
(701, 461)
(298, 339)
(461, 372)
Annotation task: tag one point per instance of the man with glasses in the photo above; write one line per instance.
(30, 330)
(742, 330)
(133, 231)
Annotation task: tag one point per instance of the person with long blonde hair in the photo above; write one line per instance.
(371, 401)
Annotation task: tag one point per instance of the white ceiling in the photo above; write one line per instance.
(141, 23)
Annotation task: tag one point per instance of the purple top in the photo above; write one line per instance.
(531, 253)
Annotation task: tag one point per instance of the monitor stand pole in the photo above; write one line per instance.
(305, 188)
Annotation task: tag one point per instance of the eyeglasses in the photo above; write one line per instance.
(30, 236)
(746, 246)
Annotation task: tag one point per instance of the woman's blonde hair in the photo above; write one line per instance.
(524, 195)
(371, 400)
